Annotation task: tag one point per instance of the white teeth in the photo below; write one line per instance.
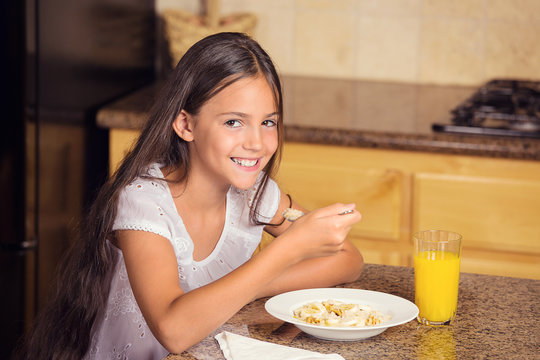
(246, 163)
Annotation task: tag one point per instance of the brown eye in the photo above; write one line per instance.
(233, 123)
(269, 123)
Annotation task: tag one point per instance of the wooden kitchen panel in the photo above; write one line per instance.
(491, 213)
(376, 256)
(120, 141)
(382, 252)
(501, 263)
(493, 202)
(376, 192)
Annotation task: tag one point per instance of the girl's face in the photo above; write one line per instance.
(235, 133)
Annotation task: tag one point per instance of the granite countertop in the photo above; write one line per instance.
(358, 113)
(497, 318)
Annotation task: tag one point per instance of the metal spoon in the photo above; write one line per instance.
(293, 214)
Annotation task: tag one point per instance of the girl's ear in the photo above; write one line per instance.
(183, 126)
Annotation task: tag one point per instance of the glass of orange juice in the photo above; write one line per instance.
(437, 255)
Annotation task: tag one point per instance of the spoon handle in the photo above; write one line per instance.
(293, 214)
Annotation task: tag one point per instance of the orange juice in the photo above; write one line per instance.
(436, 277)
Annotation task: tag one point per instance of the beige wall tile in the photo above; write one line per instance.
(387, 48)
(463, 9)
(287, 89)
(515, 10)
(275, 27)
(388, 8)
(257, 6)
(512, 51)
(325, 5)
(275, 33)
(324, 44)
(424, 41)
(380, 104)
(451, 52)
(186, 5)
(309, 93)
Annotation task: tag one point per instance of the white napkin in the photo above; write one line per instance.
(237, 347)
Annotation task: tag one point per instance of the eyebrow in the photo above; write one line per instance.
(244, 115)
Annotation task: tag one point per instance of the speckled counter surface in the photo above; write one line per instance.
(497, 318)
(358, 113)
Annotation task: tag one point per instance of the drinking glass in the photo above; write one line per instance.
(437, 255)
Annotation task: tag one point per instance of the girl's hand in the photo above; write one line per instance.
(321, 232)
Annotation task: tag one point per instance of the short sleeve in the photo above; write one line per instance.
(140, 207)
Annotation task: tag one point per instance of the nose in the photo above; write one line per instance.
(253, 139)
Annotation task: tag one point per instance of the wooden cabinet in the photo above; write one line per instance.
(492, 213)
(380, 194)
(120, 141)
(498, 217)
(494, 203)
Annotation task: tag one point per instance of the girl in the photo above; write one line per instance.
(165, 257)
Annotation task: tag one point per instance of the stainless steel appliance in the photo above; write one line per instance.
(63, 60)
(500, 107)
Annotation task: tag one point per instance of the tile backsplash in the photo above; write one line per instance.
(459, 42)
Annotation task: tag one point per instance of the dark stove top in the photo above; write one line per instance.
(499, 107)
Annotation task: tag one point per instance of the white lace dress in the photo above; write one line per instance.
(147, 205)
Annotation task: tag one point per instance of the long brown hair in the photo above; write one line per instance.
(63, 328)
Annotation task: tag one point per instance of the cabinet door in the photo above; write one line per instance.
(501, 263)
(491, 213)
(498, 219)
(376, 192)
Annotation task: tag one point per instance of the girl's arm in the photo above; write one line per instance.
(341, 267)
(179, 320)
(313, 247)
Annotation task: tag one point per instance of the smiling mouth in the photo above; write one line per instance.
(244, 162)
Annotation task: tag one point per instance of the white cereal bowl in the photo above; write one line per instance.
(400, 310)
